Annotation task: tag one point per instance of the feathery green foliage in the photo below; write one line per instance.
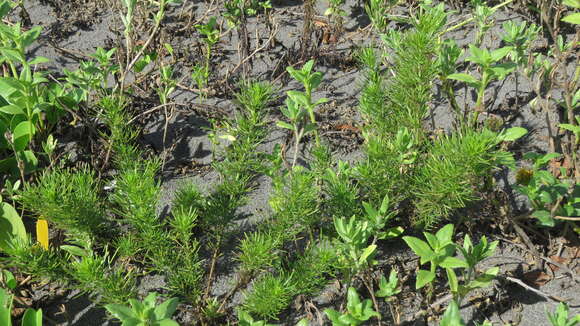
(69, 199)
(294, 201)
(453, 168)
(269, 296)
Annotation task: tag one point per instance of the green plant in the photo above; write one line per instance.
(472, 255)
(310, 80)
(146, 312)
(451, 317)
(166, 84)
(448, 54)
(30, 105)
(573, 18)
(311, 270)
(519, 36)
(269, 296)
(245, 319)
(335, 12)
(550, 197)
(297, 115)
(560, 317)
(354, 234)
(491, 69)
(342, 193)
(253, 98)
(259, 251)
(400, 99)
(454, 168)
(357, 312)
(236, 9)
(482, 16)
(439, 251)
(211, 37)
(96, 275)
(378, 220)
(294, 201)
(378, 12)
(389, 288)
(11, 226)
(31, 317)
(69, 199)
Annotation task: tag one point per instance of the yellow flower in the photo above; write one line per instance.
(42, 233)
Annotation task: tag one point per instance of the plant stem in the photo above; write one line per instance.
(469, 20)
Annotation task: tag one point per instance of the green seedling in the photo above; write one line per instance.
(236, 9)
(166, 84)
(299, 125)
(471, 279)
(491, 69)
(210, 32)
(357, 311)
(30, 105)
(200, 76)
(519, 36)
(183, 222)
(343, 195)
(482, 16)
(378, 12)
(269, 296)
(259, 251)
(146, 312)
(439, 251)
(147, 58)
(390, 288)
(310, 80)
(31, 317)
(127, 20)
(335, 12)
(475, 254)
(354, 235)
(93, 76)
(245, 319)
(561, 317)
(69, 199)
(211, 36)
(451, 317)
(448, 54)
(405, 145)
(211, 310)
(378, 219)
(548, 195)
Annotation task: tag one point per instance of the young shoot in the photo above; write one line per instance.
(491, 69)
(211, 36)
(310, 80)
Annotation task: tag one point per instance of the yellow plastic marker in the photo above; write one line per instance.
(42, 233)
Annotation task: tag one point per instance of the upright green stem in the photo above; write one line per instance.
(311, 111)
(480, 104)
